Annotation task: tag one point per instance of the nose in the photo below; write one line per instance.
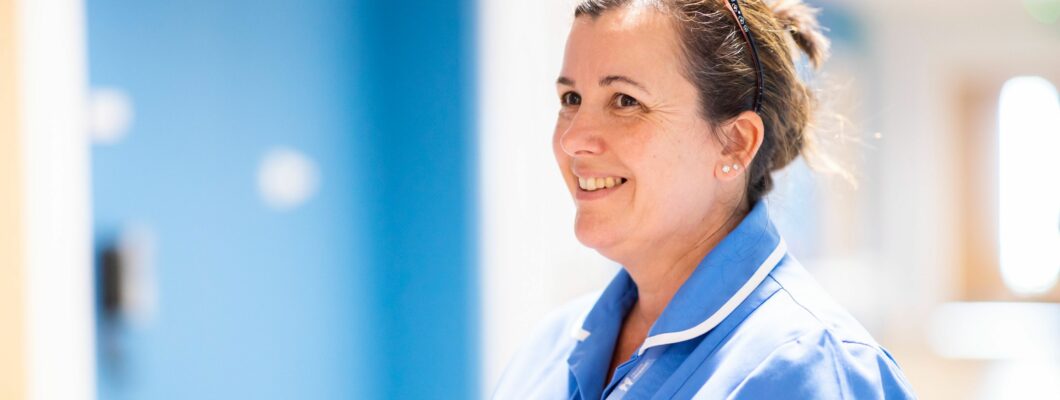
(582, 136)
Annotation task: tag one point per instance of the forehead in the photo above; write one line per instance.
(631, 39)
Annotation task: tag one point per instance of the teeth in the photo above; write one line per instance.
(591, 184)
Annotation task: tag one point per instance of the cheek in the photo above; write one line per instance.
(680, 187)
(677, 177)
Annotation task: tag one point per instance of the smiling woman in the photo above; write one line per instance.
(673, 116)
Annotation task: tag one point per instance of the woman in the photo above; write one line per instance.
(674, 114)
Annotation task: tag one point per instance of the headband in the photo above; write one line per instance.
(734, 8)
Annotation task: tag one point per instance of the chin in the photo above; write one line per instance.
(595, 232)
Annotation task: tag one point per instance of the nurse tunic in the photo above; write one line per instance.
(749, 323)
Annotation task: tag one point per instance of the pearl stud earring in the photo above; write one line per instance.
(736, 167)
(725, 168)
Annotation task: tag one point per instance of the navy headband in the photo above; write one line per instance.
(734, 8)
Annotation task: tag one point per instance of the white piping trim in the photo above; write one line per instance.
(726, 309)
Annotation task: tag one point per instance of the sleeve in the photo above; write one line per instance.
(819, 366)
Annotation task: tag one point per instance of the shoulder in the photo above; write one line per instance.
(799, 343)
(539, 369)
(800, 294)
(817, 364)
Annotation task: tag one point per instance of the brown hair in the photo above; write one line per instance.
(720, 65)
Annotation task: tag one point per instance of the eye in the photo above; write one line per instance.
(623, 100)
(570, 99)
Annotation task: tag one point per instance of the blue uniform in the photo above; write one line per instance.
(749, 323)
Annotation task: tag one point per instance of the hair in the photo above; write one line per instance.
(719, 64)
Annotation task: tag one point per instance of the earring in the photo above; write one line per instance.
(736, 167)
(725, 168)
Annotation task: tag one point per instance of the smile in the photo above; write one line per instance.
(594, 184)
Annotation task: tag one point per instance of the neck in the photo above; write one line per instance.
(661, 271)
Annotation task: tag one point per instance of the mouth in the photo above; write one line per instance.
(596, 188)
(600, 183)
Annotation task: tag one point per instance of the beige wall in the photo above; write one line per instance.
(12, 293)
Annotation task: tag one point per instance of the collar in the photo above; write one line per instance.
(721, 281)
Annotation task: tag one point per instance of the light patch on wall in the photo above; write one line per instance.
(286, 178)
(1022, 380)
(996, 331)
(110, 115)
(1029, 202)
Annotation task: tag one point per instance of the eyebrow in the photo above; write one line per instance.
(619, 78)
(607, 80)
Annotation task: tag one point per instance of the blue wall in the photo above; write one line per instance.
(368, 290)
(418, 82)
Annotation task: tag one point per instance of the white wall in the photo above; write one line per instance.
(53, 76)
(924, 51)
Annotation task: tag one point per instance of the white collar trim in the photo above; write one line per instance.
(730, 305)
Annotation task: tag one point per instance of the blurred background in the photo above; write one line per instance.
(357, 199)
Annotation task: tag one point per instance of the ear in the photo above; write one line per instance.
(741, 139)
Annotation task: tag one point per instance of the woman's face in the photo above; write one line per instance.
(630, 122)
